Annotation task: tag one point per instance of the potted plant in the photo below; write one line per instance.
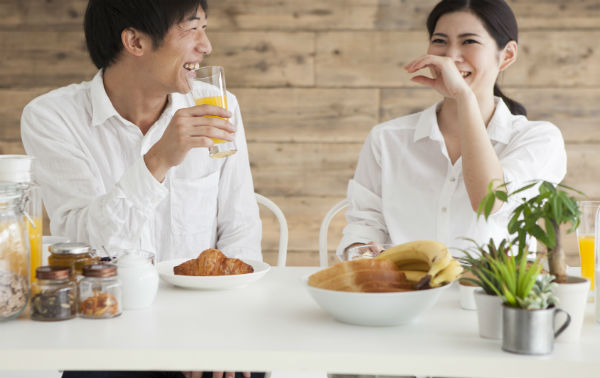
(528, 303)
(478, 261)
(551, 207)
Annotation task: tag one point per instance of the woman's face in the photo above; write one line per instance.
(462, 37)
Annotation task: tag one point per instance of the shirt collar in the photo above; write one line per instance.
(497, 128)
(103, 109)
(427, 125)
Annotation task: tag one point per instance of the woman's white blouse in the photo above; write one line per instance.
(405, 187)
(97, 188)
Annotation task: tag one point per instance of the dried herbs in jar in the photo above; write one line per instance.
(53, 295)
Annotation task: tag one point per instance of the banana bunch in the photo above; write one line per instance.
(425, 262)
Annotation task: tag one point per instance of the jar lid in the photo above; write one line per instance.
(53, 272)
(16, 168)
(100, 270)
(71, 248)
(9, 191)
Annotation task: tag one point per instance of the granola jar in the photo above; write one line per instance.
(73, 255)
(53, 294)
(100, 292)
(14, 253)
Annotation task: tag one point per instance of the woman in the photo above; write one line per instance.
(422, 176)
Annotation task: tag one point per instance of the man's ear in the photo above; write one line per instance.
(135, 42)
(508, 55)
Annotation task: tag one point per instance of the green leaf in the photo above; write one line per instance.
(489, 204)
(524, 188)
(502, 196)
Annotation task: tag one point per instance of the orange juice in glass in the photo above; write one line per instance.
(35, 245)
(585, 239)
(208, 88)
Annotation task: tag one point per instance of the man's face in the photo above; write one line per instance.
(183, 47)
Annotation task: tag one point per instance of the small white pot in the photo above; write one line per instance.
(572, 298)
(489, 315)
(467, 296)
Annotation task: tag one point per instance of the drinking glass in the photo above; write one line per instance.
(208, 88)
(585, 238)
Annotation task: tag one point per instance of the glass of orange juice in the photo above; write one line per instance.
(208, 88)
(585, 238)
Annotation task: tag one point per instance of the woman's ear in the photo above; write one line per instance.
(135, 42)
(508, 55)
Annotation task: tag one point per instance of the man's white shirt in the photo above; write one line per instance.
(97, 188)
(406, 188)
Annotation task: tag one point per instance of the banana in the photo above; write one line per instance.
(418, 266)
(413, 275)
(450, 273)
(433, 253)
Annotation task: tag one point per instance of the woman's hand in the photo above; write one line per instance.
(447, 79)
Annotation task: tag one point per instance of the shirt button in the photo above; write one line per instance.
(452, 179)
(443, 209)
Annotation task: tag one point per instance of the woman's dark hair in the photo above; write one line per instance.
(497, 18)
(106, 19)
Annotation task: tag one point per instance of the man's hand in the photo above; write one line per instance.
(190, 128)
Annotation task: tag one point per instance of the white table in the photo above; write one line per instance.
(274, 324)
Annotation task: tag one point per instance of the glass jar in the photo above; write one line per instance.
(100, 292)
(73, 255)
(14, 253)
(138, 276)
(53, 294)
(19, 169)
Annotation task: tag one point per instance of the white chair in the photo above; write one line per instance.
(325, 226)
(283, 228)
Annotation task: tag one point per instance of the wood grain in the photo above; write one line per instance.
(302, 169)
(314, 14)
(574, 110)
(566, 58)
(264, 59)
(308, 114)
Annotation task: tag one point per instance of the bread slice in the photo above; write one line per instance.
(363, 275)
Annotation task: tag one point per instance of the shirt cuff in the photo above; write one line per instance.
(359, 234)
(141, 188)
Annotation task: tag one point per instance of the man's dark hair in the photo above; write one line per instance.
(106, 19)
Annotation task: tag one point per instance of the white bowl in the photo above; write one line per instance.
(375, 309)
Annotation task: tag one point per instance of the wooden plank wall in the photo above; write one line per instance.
(314, 76)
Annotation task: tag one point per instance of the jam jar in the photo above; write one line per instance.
(73, 255)
(53, 295)
(14, 253)
(100, 292)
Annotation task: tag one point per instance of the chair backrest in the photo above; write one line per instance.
(325, 226)
(283, 228)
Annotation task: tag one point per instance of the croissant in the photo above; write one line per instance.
(363, 275)
(212, 262)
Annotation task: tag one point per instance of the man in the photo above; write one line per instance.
(122, 159)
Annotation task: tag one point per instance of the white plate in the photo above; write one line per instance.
(165, 270)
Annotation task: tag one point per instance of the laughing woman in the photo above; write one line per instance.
(422, 176)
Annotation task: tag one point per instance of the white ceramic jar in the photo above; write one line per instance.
(139, 278)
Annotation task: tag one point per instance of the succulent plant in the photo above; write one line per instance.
(541, 295)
